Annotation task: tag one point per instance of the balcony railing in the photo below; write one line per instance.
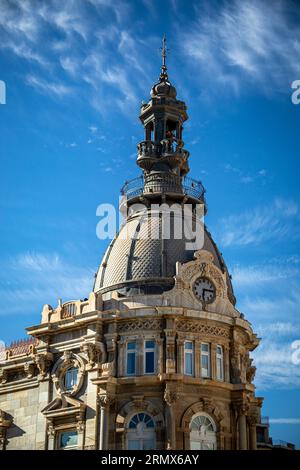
(280, 443)
(264, 420)
(147, 148)
(69, 309)
(190, 187)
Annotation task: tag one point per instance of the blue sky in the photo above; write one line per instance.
(76, 73)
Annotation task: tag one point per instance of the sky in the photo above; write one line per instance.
(76, 73)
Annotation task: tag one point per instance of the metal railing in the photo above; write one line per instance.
(280, 443)
(190, 187)
(264, 420)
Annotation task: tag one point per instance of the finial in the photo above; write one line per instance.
(163, 75)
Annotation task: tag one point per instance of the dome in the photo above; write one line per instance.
(163, 88)
(132, 260)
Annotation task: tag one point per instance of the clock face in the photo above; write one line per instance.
(204, 290)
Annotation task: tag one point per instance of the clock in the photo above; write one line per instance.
(204, 290)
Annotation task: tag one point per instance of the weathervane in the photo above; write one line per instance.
(163, 75)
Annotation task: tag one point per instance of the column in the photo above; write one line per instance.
(242, 422)
(160, 355)
(170, 397)
(104, 401)
(213, 365)
(170, 351)
(180, 355)
(226, 364)
(197, 354)
(252, 420)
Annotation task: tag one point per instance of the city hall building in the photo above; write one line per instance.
(157, 356)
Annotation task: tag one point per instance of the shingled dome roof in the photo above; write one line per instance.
(138, 260)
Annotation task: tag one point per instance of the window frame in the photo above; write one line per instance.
(208, 355)
(59, 435)
(154, 355)
(220, 356)
(68, 371)
(134, 353)
(190, 352)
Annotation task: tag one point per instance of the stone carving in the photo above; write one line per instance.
(149, 324)
(170, 397)
(235, 367)
(5, 423)
(105, 401)
(29, 368)
(95, 352)
(67, 361)
(43, 361)
(194, 326)
(3, 376)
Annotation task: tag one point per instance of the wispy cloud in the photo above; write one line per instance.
(261, 224)
(47, 87)
(246, 178)
(284, 420)
(80, 43)
(32, 279)
(245, 42)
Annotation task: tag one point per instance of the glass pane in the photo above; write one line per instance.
(68, 438)
(150, 424)
(131, 345)
(149, 366)
(188, 363)
(71, 378)
(131, 363)
(204, 347)
(188, 345)
(133, 444)
(150, 344)
(195, 445)
(219, 350)
(204, 363)
(219, 369)
(148, 444)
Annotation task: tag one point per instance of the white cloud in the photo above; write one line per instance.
(284, 420)
(261, 224)
(50, 88)
(33, 279)
(245, 276)
(246, 42)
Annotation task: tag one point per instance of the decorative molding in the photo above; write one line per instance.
(193, 326)
(60, 368)
(137, 325)
(170, 396)
(106, 401)
(95, 353)
(3, 376)
(29, 369)
(43, 361)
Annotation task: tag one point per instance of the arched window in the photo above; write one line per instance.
(203, 433)
(141, 433)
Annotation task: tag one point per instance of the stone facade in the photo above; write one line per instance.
(92, 337)
(149, 360)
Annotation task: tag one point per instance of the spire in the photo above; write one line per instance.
(164, 75)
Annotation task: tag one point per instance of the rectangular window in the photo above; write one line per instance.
(71, 378)
(205, 360)
(149, 361)
(188, 358)
(220, 363)
(131, 358)
(68, 439)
